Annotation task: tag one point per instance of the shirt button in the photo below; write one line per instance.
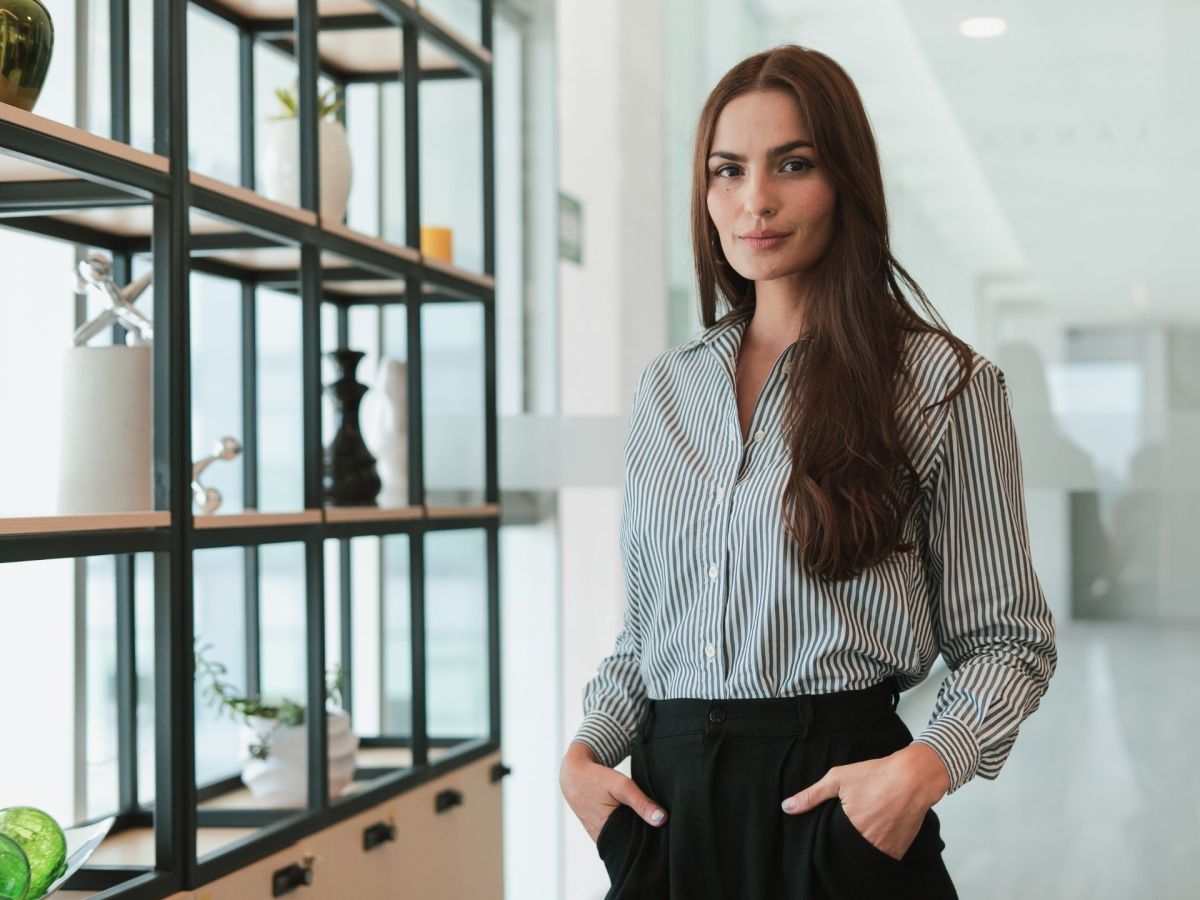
(710, 651)
(720, 493)
(758, 436)
(713, 572)
(716, 715)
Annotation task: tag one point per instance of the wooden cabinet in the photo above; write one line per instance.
(455, 853)
(480, 829)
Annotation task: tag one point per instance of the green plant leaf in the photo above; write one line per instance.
(289, 102)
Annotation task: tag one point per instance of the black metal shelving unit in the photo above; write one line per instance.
(107, 175)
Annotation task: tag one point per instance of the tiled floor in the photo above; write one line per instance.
(1100, 798)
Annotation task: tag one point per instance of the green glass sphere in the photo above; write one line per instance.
(14, 871)
(43, 841)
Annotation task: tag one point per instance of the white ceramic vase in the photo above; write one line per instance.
(281, 165)
(105, 460)
(385, 429)
(282, 778)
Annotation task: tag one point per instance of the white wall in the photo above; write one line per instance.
(613, 319)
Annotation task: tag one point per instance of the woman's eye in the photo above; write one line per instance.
(804, 164)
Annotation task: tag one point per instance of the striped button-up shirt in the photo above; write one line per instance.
(719, 606)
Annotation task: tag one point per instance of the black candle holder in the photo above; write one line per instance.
(350, 475)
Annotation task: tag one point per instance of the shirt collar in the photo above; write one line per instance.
(724, 339)
(729, 327)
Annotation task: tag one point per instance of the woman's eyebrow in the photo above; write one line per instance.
(782, 148)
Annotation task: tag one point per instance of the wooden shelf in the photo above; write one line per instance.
(13, 169)
(340, 514)
(85, 140)
(379, 51)
(365, 50)
(335, 514)
(484, 281)
(95, 522)
(286, 9)
(435, 511)
(255, 259)
(241, 798)
(254, 519)
(135, 846)
(252, 198)
(138, 221)
(406, 253)
(107, 212)
(386, 757)
(269, 259)
(247, 519)
(365, 288)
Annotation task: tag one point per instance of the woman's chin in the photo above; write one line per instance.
(764, 270)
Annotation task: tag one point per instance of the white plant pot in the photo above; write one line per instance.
(281, 165)
(282, 778)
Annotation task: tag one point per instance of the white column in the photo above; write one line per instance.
(613, 320)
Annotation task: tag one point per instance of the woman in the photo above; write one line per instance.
(823, 492)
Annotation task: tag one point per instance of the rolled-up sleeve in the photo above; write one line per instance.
(615, 698)
(994, 627)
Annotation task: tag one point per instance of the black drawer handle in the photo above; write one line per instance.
(446, 799)
(379, 833)
(289, 878)
(499, 770)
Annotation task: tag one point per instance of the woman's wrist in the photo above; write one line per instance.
(927, 771)
(580, 750)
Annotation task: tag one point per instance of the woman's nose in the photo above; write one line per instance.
(760, 195)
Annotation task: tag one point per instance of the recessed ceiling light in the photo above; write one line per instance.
(983, 26)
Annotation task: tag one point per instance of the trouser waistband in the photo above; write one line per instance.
(801, 714)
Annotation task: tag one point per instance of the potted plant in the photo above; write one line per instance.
(275, 738)
(281, 154)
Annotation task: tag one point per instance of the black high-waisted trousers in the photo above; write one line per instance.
(721, 769)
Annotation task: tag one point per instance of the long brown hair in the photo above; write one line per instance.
(846, 501)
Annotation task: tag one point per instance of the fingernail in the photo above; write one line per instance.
(790, 804)
(656, 816)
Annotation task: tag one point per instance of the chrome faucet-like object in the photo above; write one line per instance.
(208, 499)
(95, 272)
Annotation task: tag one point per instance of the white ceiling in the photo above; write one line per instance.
(1064, 149)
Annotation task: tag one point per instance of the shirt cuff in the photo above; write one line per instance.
(955, 743)
(604, 735)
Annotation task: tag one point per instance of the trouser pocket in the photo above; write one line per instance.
(606, 829)
(858, 869)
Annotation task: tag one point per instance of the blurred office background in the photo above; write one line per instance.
(1043, 191)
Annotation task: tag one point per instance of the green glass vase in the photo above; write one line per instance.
(26, 43)
(14, 870)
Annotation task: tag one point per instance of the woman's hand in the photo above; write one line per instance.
(593, 791)
(885, 799)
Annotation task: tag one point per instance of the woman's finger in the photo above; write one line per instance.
(632, 796)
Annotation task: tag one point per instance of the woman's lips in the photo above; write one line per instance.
(765, 243)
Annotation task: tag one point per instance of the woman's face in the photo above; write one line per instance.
(764, 176)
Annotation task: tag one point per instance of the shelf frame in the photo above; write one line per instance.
(108, 173)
